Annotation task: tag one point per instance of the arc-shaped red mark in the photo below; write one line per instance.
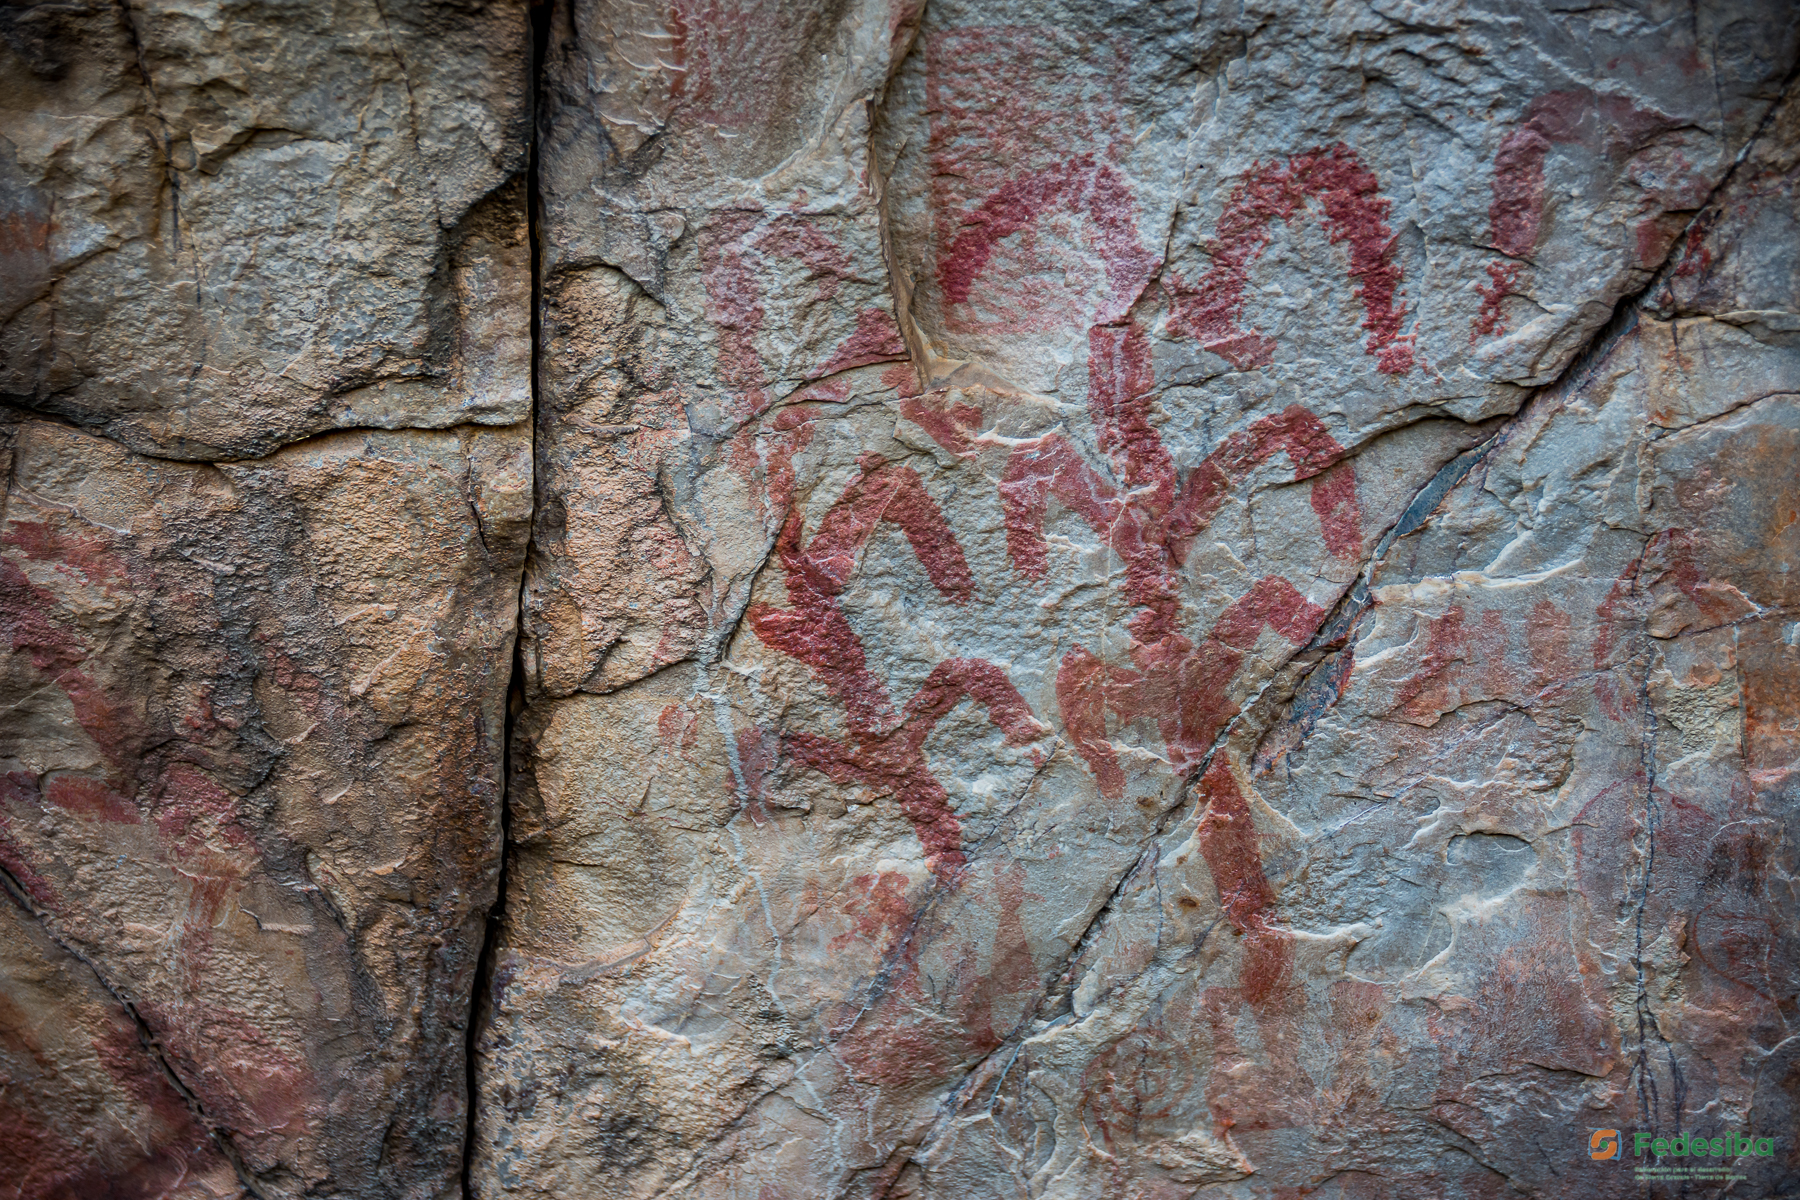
(812, 628)
(896, 495)
(1161, 519)
(1355, 212)
(894, 761)
(1079, 185)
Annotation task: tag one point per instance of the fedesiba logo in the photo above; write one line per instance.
(1685, 1157)
(1683, 1145)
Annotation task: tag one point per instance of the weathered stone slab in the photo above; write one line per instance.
(1031, 768)
(252, 761)
(229, 227)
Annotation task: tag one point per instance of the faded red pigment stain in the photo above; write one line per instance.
(1231, 847)
(1272, 1078)
(1520, 657)
(1738, 933)
(40, 1164)
(794, 237)
(1516, 209)
(91, 798)
(1684, 595)
(243, 1077)
(1007, 104)
(721, 55)
(1317, 1063)
(26, 263)
(734, 308)
(905, 1037)
(735, 248)
(1308, 1062)
(1424, 696)
(111, 721)
(122, 1053)
(192, 814)
(886, 751)
(1150, 519)
(879, 911)
(85, 554)
(1696, 254)
(1706, 889)
(876, 339)
(1355, 213)
(991, 997)
(757, 750)
(739, 247)
(1131, 1091)
(19, 793)
(1617, 615)
(677, 731)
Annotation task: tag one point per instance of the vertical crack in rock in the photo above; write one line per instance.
(541, 13)
(264, 425)
(128, 18)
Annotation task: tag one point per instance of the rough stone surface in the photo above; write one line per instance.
(231, 225)
(985, 737)
(252, 751)
(1086, 601)
(266, 347)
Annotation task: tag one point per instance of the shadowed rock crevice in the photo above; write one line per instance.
(480, 997)
(987, 599)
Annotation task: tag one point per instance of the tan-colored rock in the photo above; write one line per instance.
(230, 227)
(89, 1107)
(252, 773)
(982, 600)
(265, 345)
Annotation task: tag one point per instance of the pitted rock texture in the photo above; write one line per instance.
(1096, 623)
(253, 747)
(968, 599)
(233, 225)
(265, 342)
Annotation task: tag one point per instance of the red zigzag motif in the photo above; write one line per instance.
(1150, 521)
(886, 752)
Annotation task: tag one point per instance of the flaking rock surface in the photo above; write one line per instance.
(264, 350)
(1123, 600)
(1130, 601)
(230, 225)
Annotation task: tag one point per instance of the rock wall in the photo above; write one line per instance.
(266, 361)
(1061, 601)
